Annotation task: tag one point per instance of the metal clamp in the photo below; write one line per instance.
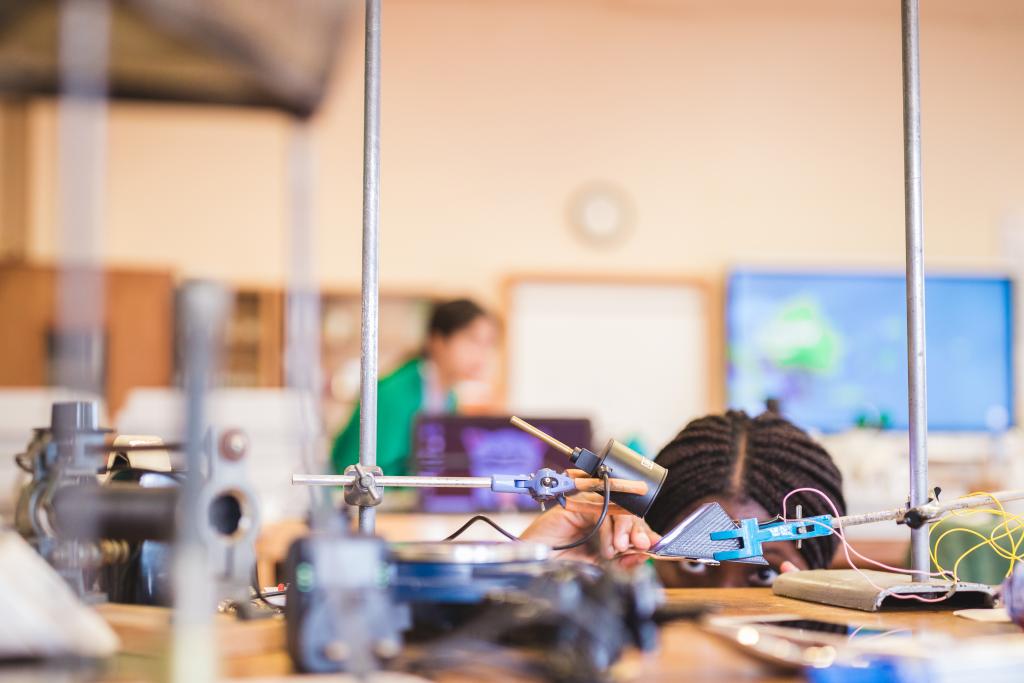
(917, 517)
(544, 485)
(364, 490)
(754, 535)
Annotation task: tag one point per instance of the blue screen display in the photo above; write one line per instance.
(832, 348)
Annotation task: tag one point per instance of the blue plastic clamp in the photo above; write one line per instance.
(754, 535)
(544, 485)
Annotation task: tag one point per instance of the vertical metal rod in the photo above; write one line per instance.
(82, 114)
(83, 55)
(302, 362)
(914, 224)
(371, 262)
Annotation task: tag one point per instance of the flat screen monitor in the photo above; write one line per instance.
(832, 349)
(479, 446)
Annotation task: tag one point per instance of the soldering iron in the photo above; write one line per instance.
(618, 460)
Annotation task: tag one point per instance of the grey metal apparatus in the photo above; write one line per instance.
(914, 236)
(914, 218)
(544, 485)
(371, 263)
(837, 586)
(632, 480)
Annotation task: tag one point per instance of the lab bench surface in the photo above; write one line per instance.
(687, 653)
(254, 650)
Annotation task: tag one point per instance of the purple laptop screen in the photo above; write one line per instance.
(476, 446)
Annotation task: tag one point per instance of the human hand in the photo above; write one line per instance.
(621, 532)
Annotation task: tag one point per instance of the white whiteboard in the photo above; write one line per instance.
(634, 358)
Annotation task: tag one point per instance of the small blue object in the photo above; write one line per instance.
(544, 485)
(753, 535)
(877, 671)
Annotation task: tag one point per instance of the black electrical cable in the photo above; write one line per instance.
(260, 595)
(140, 470)
(482, 518)
(600, 520)
(568, 546)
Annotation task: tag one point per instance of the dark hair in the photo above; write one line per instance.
(449, 317)
(759, 459)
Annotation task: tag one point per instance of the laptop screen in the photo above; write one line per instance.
(479, 446)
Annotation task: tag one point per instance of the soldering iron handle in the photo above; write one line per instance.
(638, 488)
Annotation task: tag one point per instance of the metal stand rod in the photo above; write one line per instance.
(371, 262)
(914, 223)
(412, 481)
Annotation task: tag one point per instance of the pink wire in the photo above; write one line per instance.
(847, 549)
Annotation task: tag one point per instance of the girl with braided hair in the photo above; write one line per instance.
(745, 464)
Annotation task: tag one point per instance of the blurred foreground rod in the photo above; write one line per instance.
(303, 370)
(203, 310)
(84, 43)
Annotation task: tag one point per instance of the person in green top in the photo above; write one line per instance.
(460, 338)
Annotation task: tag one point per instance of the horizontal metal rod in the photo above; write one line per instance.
(417, 482)
(870, 518)
(933, 510)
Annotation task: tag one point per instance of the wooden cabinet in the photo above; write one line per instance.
(254, 339)
(137, 330)
(139, 335)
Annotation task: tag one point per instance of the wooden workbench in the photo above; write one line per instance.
(686, 653)
(273, 542)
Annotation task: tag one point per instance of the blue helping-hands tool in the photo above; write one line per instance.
(753, 535)
(544, 485)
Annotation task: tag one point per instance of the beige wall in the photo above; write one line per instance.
(745, 131)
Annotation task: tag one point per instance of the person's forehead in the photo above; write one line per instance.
(736, 507)
(482, 325)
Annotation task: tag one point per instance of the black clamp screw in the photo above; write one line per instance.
(914, 517)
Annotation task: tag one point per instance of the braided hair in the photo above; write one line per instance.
(759, 459)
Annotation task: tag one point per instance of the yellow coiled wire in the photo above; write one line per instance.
(1003, 531)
